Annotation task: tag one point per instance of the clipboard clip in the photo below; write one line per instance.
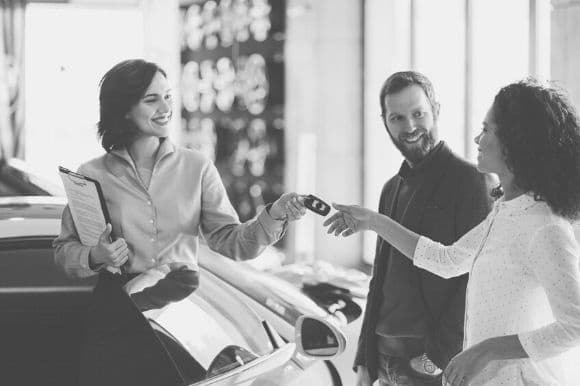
(73, 177)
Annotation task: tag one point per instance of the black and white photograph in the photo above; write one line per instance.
(290, 192)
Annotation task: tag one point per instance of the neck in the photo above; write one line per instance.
(143, 151)
(510, 189)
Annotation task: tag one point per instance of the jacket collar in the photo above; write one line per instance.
(431, 163)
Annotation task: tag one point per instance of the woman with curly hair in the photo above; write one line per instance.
(523, 297)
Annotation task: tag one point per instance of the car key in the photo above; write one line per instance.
(316, 205)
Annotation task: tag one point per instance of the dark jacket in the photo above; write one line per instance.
(452, 199)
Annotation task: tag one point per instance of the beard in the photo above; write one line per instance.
(415, 152)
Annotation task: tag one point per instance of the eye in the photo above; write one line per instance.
(395, 118)
(418, 114)
(168, 97)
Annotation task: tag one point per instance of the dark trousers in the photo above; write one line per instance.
(394, 370)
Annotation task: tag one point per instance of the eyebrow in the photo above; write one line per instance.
(155, 94)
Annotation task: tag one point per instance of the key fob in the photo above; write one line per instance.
(316, 205)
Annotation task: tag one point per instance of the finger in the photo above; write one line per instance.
(292, 209)
(121, 259)
(106, 233)
(120, 252)
(332, 228)
(118, 244)
(342, 208)
(340, 229)
(348, 232)
(332, 219)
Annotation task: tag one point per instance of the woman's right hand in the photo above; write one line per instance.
(114, 253)
(362, 376)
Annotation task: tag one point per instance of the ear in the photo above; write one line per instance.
(436, 110)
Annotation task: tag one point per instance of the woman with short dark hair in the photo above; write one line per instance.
(161, 198)
(523, 296)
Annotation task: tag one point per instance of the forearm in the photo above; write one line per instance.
(246, 240)
(505, 347)
(395, 234)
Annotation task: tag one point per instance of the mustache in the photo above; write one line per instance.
(405, 136)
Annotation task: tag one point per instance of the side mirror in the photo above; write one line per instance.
(318, 338)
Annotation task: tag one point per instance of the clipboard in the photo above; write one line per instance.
(88, 207)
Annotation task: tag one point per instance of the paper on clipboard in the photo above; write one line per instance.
(87, 207)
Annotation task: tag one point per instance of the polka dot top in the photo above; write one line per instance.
(523, 262)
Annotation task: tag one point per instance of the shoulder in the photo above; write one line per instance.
(389, 185)
(462, 166)
(191, 156)
(467, 174)
(95, 167)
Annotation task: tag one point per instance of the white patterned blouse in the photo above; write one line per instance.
(523, 262)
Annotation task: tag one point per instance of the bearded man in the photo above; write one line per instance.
(413, 322)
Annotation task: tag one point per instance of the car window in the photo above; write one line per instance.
(216, 329)
(29, 263)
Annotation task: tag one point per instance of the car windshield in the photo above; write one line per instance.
(212, 325)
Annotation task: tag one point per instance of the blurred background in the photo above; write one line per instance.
(281, 94)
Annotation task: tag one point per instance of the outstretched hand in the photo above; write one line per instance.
(349, 219)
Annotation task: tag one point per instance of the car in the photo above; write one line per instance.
(17, 178)
(217, 335)
(283, 301)
(338, 292)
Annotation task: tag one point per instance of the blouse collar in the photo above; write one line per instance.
(516, 205)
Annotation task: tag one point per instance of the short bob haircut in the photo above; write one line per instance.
(403, 79)
(120, 89)
(539, 131)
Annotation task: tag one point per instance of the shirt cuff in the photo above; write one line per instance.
(530, 346)
(85, 261)
(270, 224)
(420, 256)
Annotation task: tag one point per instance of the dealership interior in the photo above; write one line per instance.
(282, 96)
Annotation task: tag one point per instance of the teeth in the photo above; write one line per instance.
(413, 138)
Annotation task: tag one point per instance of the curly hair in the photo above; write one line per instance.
(539, 131)
(120, 89)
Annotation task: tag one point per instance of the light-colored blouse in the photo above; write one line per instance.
(163, 220)
(523, 262)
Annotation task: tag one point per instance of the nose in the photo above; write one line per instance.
(165, 106)
(409, 125)
(476, 139)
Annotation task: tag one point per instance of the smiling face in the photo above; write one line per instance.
(411, 122)
(490, 157)
(152, 113)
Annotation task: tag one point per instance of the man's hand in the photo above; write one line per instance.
(289, 206)
(362, 376)
(114, 254)
(349, 219)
